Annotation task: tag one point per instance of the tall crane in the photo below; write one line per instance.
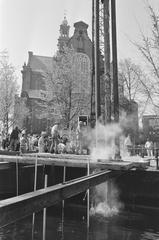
(101, 23)
(101, 27)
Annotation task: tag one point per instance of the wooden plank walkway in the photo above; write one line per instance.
(24, 205)
(70, 160)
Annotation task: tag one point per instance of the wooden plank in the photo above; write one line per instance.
(128, 159)
(81, 163)
(59, 156)
(129, 163)
(113, 165)
(24, 205)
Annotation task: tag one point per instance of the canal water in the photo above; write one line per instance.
(71, 224)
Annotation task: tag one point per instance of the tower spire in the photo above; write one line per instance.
(64, 33)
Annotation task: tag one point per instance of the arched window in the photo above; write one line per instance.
(82, 64)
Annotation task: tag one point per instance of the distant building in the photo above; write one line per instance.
(34, 86)
(151, 127)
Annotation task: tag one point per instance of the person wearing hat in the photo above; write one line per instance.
(41, 142)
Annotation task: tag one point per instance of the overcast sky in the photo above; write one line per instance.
(33, 25)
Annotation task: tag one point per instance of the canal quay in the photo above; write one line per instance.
(37, 181)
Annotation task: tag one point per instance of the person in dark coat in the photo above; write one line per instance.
(14, 139)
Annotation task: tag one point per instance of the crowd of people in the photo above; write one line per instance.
(19, 140)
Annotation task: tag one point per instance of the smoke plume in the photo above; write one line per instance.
(102, 141)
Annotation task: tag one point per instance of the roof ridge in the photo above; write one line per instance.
(42, 56)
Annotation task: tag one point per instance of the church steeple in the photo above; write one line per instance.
(64, 34)
(64, 28)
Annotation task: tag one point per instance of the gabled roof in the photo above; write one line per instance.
(40, 63)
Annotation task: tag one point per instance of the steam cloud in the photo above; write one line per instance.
(102, 141)
(102, 147)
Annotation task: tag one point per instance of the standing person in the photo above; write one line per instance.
(55, 138)
(35, 142)
(149, 148)
(79, 138)
(14, 139)
(41, 143)
(6, 142)
(46, 143)
(24, 144)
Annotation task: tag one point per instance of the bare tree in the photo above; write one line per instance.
(149, 48)
(132, 77)
(21, 111)
(68, 86)
(136, 84)
(8, 89)
(45, 109)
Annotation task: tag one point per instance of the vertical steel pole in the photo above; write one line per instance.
(97, 62)
(107, 76)
(92, 69)
(115, 66)
(115, 75)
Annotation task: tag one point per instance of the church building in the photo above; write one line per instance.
(34, 85)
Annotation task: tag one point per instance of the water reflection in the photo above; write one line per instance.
(71, 224)
(125, 226)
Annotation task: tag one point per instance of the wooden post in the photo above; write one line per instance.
(44, 211)
(17, 178)
(88, 196)
(64, 179)
(35, 184)
(35, 172)
(63, 204)
(64, 174)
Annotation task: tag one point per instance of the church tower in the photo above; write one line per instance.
(64, 34)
